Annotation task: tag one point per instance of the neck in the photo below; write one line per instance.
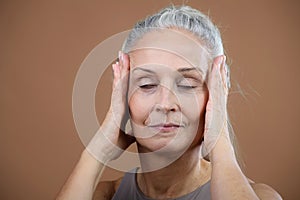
(183, 176)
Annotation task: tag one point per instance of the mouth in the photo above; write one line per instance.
(166, 127)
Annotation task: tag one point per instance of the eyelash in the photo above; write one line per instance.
(151, 86)
(187, 86)
(148, 86)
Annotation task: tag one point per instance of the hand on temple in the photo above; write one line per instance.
(110, 140)
(216, 126)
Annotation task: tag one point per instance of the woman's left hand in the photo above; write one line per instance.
(227, 179)
(216, 128)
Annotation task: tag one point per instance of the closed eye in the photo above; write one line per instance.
(148, 86)
(187, 86)
(187, 83)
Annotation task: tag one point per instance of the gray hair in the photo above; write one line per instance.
(180, 17)
(183, 17)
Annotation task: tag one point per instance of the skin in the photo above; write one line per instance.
(201, 110)
(169, 91)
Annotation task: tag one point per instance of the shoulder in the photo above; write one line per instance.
(264, 191)
(106, 189)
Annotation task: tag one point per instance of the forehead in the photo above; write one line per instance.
(157, 59)
(170, 47)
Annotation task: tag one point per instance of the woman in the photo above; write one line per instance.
(173, 75)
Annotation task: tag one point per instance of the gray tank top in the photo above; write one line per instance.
(129, 189)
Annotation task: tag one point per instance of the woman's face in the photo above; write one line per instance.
(167, 97)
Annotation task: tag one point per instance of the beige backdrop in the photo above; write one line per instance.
(44, 42)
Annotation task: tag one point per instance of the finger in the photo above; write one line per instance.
(116, 73)
(214, 79)
(223, 72)
(124, 64)
(217, 83)
(115, 70)
(125, 59)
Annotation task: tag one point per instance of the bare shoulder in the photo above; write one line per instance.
(105, 190)
(264, 191)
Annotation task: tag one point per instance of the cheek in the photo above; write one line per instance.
(139, 108)
(194, 107)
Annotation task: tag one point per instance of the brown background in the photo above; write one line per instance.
(43, 43)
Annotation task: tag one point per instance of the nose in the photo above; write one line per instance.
(167, 101)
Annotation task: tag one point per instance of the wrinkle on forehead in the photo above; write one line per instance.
(180, 43)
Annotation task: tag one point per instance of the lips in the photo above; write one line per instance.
(166, 127)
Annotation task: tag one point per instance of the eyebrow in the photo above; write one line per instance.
(188, 69)
(185, 69)
(143, 69)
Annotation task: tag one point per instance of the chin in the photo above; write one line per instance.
(166, 147)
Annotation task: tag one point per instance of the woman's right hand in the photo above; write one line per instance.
(110, 140)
